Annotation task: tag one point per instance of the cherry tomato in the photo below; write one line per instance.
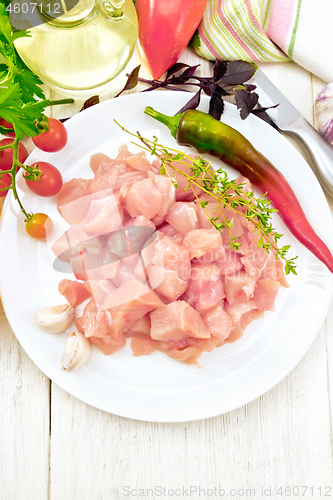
(39, 226)
(4, 123)
(6, 155)
(50, 182)
(54, 139)
(5, 181)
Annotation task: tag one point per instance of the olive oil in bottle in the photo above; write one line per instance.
(84, 49)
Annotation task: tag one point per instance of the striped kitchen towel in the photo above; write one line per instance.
(269, 31)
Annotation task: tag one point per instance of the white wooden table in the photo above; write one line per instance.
(53, 446)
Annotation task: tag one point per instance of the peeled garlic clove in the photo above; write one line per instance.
(55, 319)
(324, 112)
(76, 352)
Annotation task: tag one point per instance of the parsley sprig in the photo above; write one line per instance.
(22, 100)
(224, 192)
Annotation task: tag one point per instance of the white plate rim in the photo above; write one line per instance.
(178, 414)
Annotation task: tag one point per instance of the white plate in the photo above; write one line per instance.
(155, 387)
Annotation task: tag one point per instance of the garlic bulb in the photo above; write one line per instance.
(55, 319)
(324, 112)
(76, 352)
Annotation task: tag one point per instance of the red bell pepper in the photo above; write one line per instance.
(165, 28)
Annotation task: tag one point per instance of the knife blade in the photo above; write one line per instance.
(291, 122)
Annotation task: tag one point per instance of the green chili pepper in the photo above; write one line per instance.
(208, 135)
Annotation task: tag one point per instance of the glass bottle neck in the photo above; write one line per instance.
(84, 10)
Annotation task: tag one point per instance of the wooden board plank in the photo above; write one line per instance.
(24, 422)
(281, 439)
(24, 417)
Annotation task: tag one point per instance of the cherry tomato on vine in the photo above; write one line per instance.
(6, 155)
(5, 181)
(4, 123)
(49, 183)
(54, 139)
(39, 226)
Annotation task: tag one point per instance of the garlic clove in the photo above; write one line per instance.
(55, 319)
(76, 352)
(324, 112)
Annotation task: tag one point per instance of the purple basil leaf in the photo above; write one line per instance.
(132, 80)
(208, 88)
(90, 102)
(155, 85)
(178, 89)
(220, 67)
(189, 71)
(261, 113)
(176, 67)
(245, 102)
(216, 104)
(250, 87)
(192, 103)
(227, 88)
(238, 72)
(261, 109)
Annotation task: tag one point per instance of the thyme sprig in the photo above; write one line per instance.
(225, 192)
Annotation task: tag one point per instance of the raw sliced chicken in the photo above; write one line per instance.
(177, 321)
(125, 273)
(149, 251)
(171, 261)
(200, 241)
(189, 355)
(139, 162)
(255, 258)
(73, 241)
(73, 200)
(128, 303)
(182, 216)
(143, 198)
(212, 255)
(182, 193)
(239, 288)
(219, 323)
(139, 232)
(141, 326)
(77, 265)
(156, 269)
(108, 344)
(100, 160)
(265, 294)
(95, 325)
(170, 231)
(123, 153)
(274, 270)
(235, 230)
(95, 322)
(241, 316)
(142, 345)
(110, 264)
(74, 292)
(168, 191)
(230, 264)
(104, 215)
(99, 290)
(205, 289)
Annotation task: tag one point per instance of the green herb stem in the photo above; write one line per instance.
(60, 101)
(8, 146)
(226, 193)
(15, 146)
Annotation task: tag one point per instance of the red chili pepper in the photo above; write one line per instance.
(165, 28)
(207, 135)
